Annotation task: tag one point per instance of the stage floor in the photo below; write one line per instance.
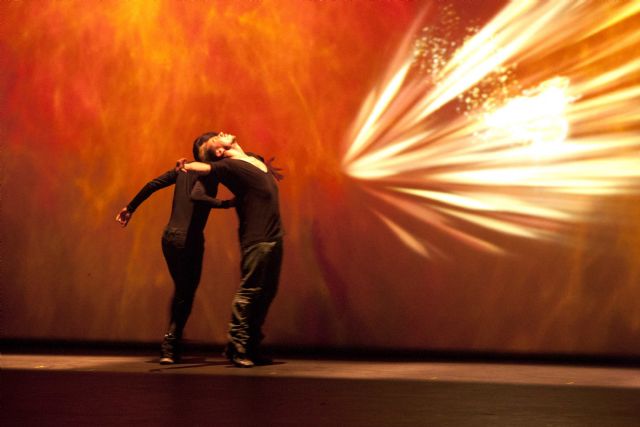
(206, 391)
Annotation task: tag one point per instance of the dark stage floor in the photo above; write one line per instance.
(73, 390)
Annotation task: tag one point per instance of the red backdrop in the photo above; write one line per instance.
(99, 97)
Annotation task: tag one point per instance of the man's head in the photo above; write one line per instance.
(199, 145)
(212, 145)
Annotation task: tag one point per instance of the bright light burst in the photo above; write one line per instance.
(522, 164)
(537, 117)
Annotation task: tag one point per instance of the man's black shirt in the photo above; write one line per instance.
(256, 200)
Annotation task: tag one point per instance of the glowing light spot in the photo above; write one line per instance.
(538, 117)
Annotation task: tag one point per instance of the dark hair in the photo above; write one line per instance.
(198, 143)
(275, 171)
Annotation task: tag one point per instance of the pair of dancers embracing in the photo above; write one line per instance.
(219, 159)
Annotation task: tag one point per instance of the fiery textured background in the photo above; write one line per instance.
(99, 97)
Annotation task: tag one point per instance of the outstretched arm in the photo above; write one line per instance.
(164, 180)
(197, 167)
(199, 194)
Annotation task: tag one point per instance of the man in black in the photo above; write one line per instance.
(260, 231)
(182, 244)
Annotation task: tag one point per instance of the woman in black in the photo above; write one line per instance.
(182, 245)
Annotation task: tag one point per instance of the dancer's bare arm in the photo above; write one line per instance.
(197, 167)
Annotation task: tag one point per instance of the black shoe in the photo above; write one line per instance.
(228, 352)
(167, 360)
(170, 350)
(241, 360)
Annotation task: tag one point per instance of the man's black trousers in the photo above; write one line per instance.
(260, 267)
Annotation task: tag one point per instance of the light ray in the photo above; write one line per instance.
(406, 237)
(522, 163)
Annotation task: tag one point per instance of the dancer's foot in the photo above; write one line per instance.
(170, 350)
(167, 360)
(240, 360)
(228, 352)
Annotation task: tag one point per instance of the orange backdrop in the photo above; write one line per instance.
(100, 96)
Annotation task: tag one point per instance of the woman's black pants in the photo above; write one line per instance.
(183, 255)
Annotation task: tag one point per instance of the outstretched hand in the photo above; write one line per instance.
(123, 217)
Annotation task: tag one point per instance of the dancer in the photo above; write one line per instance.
(182, 244)
(253, 184)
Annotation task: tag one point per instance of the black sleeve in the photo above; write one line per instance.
(210, 184)
(217, 167)
(166, 179)
(199, 194)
